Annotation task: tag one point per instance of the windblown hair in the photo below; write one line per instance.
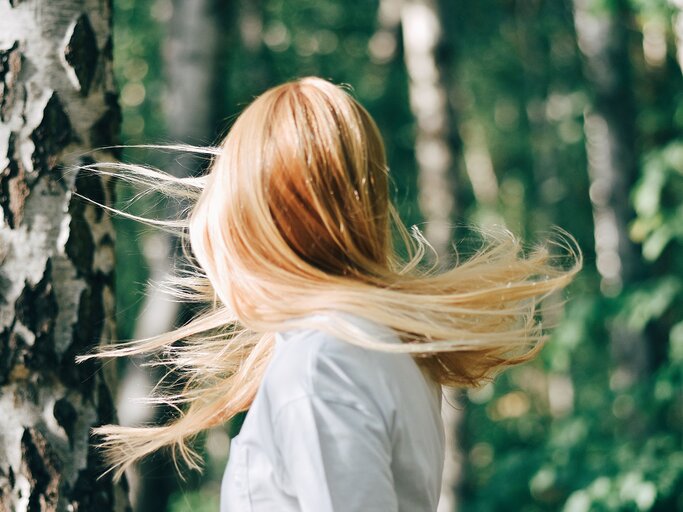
(294, 216)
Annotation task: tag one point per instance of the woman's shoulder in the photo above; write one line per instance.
(310, 361)
(318, 347)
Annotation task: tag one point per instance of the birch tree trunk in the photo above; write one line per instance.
(422, 38)
(609, 127)
(422, 34)
(57, 100)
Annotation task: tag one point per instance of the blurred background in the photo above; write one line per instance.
(523, 113)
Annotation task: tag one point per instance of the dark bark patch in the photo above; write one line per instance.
(10, 66)
(8, 350)
(53, 134)
(5, 285)
(105, 405)
(80, 52)
(105, 131)
(89, 493)
(81, 246)
(13, 187)
(42, 468)
(7, 481)
(10, 346)
(66, 416)
(86, 334)
(36, 306)
(90, 185)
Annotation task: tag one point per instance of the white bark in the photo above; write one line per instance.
(609, 131)
(479, 168)
(422, 33)
(429, 102)
(57, 100)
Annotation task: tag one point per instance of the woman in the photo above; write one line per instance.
(336, 345)
(335, 426)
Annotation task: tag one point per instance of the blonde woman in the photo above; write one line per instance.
(337, 346)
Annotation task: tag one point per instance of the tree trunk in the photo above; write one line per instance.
(57, 100)
(257, 75)
(609, 127)
(422, 39)
(677, 5)
(535, 59)
(190, 56)
(422, 34)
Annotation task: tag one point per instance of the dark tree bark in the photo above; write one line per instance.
(57, 100)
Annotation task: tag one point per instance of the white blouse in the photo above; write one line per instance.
(337, 427)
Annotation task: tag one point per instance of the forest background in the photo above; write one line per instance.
(525, 113)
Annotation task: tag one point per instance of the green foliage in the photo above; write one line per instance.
(656, 199)
(202, 500)
(137, 40)
(560, 433)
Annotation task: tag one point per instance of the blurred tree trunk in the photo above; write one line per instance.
(191, 56)
(258, 74)
(609, 126)
(57, 100)
(534, 48)
(678, 29)
(435, 143)
(422, 33)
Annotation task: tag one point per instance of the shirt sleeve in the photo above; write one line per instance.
(337, 455)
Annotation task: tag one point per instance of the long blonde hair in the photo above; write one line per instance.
(295, 216)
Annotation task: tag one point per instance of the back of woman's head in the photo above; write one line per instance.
(293, 217)
(298, 193)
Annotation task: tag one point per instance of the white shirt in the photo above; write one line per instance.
(337, 427)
